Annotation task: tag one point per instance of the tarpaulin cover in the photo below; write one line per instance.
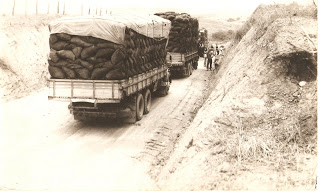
(112, 27)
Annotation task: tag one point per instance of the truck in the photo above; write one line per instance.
(125, 99)
(203, 41)
(182, 50)
(182, 63)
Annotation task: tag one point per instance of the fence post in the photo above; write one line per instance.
(48, 7)
(82, 9)
(14, 5)
(58, 7)
(25, 7)
(64, 8)
(37, 7)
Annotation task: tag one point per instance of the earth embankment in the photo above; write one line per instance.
(258, 128)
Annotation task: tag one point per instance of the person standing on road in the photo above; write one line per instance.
(217, 49)
(205, 57)
(210, 56)
(217, 59)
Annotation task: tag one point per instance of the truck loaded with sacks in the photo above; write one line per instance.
(108, 66)
(182, 50)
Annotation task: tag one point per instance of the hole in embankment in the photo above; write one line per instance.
(302, 66)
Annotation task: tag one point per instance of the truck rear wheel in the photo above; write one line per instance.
(189, 70)
(195, 65)
(140, 106)
(147, 101)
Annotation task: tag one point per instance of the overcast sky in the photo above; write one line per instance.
(225, 8)
(222, 7)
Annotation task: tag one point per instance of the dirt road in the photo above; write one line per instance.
(43, 148)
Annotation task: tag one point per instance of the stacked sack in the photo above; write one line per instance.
(184, 32)
(203, 37)
(86, 57)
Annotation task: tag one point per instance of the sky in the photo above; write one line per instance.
(225, 8)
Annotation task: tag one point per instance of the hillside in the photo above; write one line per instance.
(258, 128)
(23, 58)
(220, 29)
(216, 24)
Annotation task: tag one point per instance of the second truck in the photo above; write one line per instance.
(182, 50)
(108, 67)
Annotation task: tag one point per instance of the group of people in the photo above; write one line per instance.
(211, 57)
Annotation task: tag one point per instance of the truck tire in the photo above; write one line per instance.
(140, 106)
(195, 64)
(163, 91)
(147, 101)
(131, 104)
(189, 70)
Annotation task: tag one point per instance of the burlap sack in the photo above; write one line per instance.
(74, 66)
(69, 73)
(53, 39)
(64, 36)
(71, 46)
(56, 72)
(82, 73)
(60, 63)
(77, 51)
(60, 45)
(85, 64)
(117, 56)
(53, 56)
(115, 74)
(80, 42)
(66, 54)
(108, 65)
(108, 44)
(105, 53)
(99, 73)
(95, 60)
(92, 40)
(88, 52)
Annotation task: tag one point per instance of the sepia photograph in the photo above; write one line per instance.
(158, 95)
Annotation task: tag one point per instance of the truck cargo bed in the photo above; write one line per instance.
(179, 59)
(102, 91)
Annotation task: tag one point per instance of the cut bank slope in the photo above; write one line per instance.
(258, 128)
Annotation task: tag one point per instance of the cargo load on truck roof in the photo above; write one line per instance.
(111, 47)
(184, 32)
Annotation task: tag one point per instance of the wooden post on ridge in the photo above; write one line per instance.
(48, 8)
(37, 7)
(81, 9)
(64, 8)
(58, 7)
(14, 5)
(25, 7)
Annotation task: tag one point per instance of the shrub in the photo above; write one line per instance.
(222, 35)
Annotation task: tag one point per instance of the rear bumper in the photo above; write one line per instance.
(177, 68)
(95, 111)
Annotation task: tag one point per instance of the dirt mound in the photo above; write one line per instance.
(24, 52)
(258, 129)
